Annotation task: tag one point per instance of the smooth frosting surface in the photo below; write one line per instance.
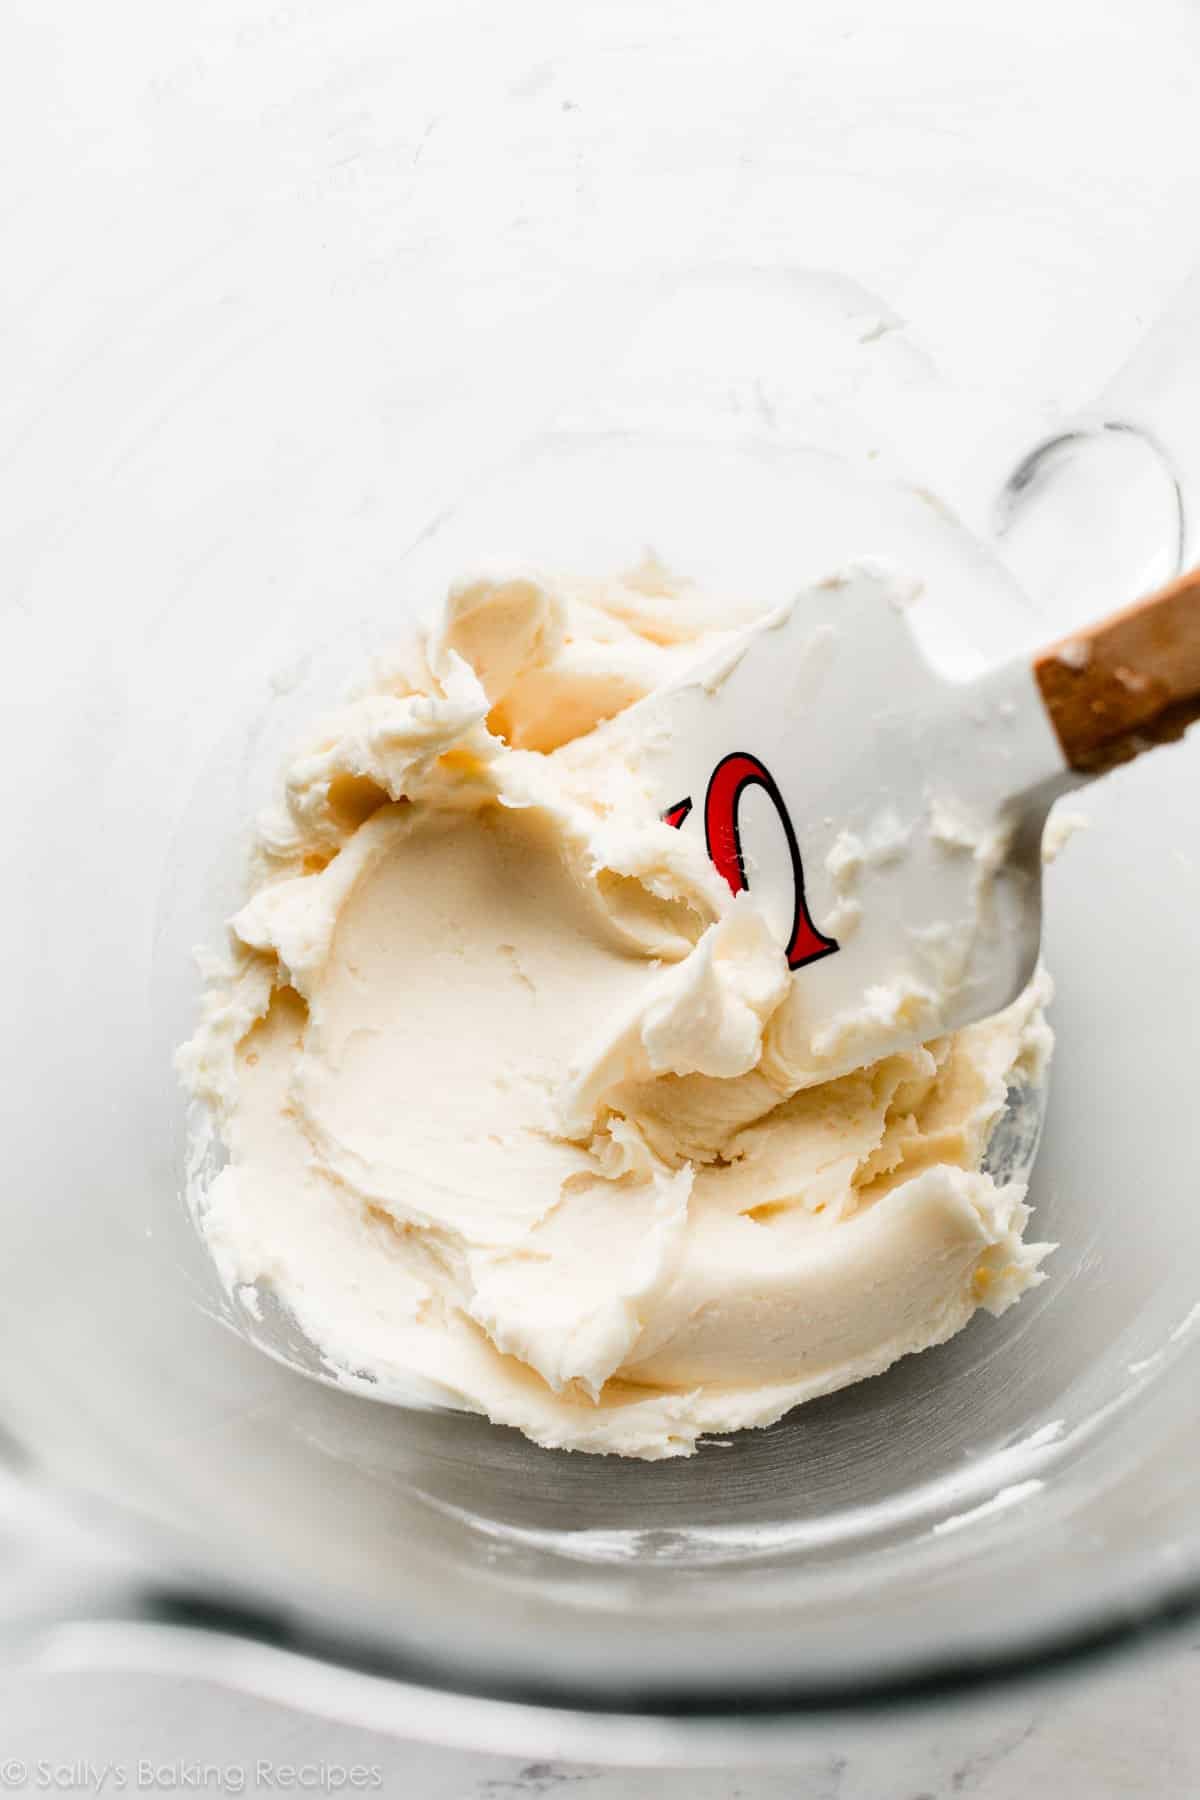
(501, 1067)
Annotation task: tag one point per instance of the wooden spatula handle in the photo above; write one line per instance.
(1131, 681)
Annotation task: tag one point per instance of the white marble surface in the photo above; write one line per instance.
(175, 175)
(1132, 1730)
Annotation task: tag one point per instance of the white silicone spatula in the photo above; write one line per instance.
(890, 820)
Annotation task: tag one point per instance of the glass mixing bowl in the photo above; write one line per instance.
(226, 536)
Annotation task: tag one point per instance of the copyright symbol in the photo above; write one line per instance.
(13, 1772)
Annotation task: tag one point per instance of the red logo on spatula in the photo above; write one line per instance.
(728, 782)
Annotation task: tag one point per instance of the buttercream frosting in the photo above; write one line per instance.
(500, 1068)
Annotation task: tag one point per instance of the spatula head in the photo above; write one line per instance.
(887, 820)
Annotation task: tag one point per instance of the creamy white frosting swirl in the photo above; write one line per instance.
(502, 1067)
